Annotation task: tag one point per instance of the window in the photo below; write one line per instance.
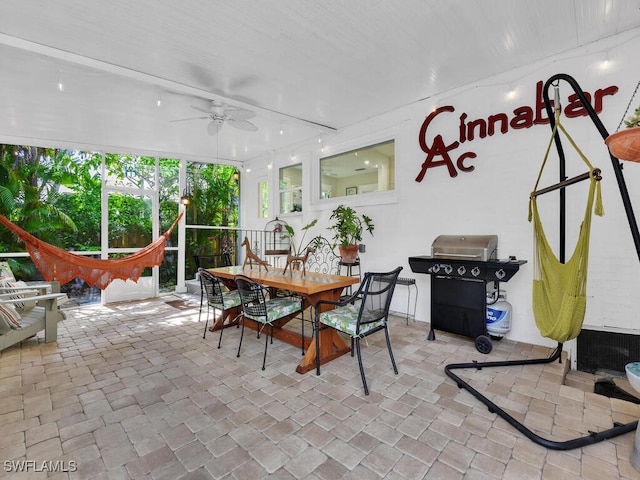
(363, 170)
(263, 199)
(291, 189)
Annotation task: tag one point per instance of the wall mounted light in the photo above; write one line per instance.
(236, 176)
(185, 199)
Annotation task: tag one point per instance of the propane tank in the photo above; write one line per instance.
(498, 314)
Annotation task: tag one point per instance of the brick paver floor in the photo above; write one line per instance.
(132, 390)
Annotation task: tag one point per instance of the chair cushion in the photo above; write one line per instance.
(231, 299)
(345, 320)
(277, 308)
(22, 293)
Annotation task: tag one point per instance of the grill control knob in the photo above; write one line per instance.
(475, 272)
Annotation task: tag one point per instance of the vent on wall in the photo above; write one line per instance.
(604, 352)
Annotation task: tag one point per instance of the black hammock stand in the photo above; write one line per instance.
(618, 428)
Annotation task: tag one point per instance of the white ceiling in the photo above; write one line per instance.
(307, 67)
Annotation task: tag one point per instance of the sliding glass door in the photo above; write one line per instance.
(130, 212)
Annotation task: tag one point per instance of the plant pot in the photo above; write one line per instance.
(349, 253)
(625, 144)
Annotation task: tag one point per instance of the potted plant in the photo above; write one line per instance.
(296, 250)
(625, 144)
(347, 228)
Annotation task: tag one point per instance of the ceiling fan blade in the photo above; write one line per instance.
(213, 128)
(240, 113)
(242, 124)
(200, 109)
(185, 119)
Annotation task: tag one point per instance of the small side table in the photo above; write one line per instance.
(410, 283)
(353, 270)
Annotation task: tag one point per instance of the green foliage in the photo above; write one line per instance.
(214, 195)
(633, 120)
(348, 225)
(297, 250)
(56, 195)
(30, 192)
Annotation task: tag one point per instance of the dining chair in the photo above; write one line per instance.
(209, 261)
(364, 313)
(323, 259)
(218, 298)
(264, 312)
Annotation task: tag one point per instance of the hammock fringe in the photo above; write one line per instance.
(57, 264)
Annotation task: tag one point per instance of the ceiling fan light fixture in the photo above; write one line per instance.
(220, 113)
(214, 127)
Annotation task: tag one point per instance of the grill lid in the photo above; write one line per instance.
(466, 247)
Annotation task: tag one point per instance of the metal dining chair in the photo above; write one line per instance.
(209, 261)
(264, 312)
(218, 298)
(323, 259)
(364, 313)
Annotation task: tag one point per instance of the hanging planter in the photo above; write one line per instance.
(625, 144)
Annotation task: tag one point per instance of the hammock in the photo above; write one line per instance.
(559, 289)
(57, 264)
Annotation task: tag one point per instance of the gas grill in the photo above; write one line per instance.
(461, 266)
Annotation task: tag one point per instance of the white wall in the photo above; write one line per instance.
(492, 199)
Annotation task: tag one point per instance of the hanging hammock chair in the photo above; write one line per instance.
(559, 289)
(57, 264)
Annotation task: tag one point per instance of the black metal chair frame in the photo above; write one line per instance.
(374, 284)
(211, 287)
(254, 302)
(323, 259)
(203, 262)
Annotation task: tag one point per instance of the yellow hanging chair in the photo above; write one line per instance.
(559, 289)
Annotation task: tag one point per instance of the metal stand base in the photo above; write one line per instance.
(591, 438)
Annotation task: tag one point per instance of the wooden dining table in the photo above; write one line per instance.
(312, 287)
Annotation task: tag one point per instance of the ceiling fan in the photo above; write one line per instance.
(220, 113)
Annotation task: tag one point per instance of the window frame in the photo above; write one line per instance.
(370, 198)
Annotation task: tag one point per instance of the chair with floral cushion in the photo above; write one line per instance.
(264, 312)
(364, 313)
(323, 259)
(218, 298)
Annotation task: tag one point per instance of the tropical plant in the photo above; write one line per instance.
(633, 120)
(348, 226)
(297, 250)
